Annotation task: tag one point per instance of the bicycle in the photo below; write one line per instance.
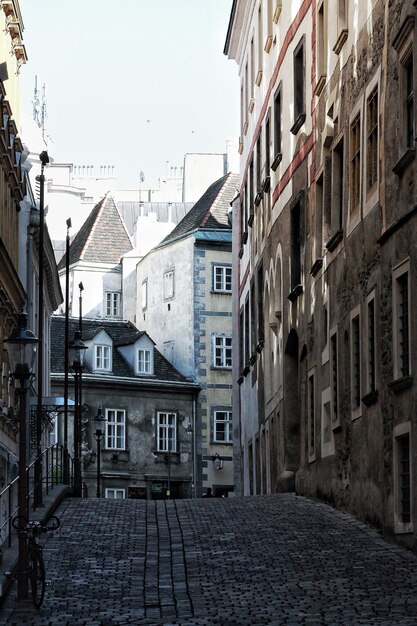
(35, 563)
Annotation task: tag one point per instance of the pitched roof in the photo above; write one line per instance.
(102, 238)
(121, 332)
(210, 211)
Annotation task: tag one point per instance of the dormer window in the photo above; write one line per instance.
(103, 358)
(144, 362)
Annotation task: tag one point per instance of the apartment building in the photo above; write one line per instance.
(324, 256)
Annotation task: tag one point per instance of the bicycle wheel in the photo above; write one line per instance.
(37, 577)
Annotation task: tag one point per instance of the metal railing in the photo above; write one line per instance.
(53, 473)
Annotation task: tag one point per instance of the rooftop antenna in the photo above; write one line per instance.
(44, 114)
(35, 102)
(141, 179)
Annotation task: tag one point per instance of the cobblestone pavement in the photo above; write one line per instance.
(278, 560)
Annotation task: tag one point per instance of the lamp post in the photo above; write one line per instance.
(77, 350)
(190, 431)
(66, 356)
(44, 159)
(21, 347)
(99, 418)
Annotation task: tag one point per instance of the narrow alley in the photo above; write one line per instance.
(281, 560)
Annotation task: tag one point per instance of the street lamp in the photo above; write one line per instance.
(77, 350)
(99, 418)
(21, 347)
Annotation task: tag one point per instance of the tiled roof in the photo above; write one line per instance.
(102, 238)
(122, 333)
(210, 211)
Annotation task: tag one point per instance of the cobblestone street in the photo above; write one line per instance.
(280, 560)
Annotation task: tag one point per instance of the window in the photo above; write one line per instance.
(355, 165)
(258, 166)
(299, 88)
(342, 24)
(115, 429)
(371, 345)
(337, 192)
(355, 365)
(260, 45)
(222, 351)
(403, 492)
(247, 335)
(261, 312)
(166, 438)
(144, 362)
(404, 45)
(251, 194)
(269, 22)
(372, 140)
(268, 145)
(144, 294)
(115, 494)
(297, 242)
(103, 358)
(252, 75)
(168, 284)
(334, 382)
(222, 429)
(113, 304)
(401, 306)
(321, 47)
(241, 340)
(222, 278)
(311, 408)
(277, 127)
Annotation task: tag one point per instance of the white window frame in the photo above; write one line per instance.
(115, 438)
(327, 435)
(102, 362)
(222, 346)
(397, 273)
(399, 431)
(169, 284)
(113, 304)
(223, 417)
(115, 491)
(356, 410)
(145, 294)
(144, 364)
(166, 430)
(225, 278)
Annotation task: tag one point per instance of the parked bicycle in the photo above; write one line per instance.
(35, 564)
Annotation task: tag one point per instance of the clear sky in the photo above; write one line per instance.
(131, 83)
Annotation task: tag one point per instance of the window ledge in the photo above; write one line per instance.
(162, 456)
(246, 370)
(245, 237)
(298, 123)
(252, 359)
(317, 265)
(298, 290)
(404, 161)
(334, 240)
(240, 380)
(221, 368)
(276, 161)
(336, 425)
(399, 384)
(320, 84)
(241, 252)
(260, 346)
(222, 292)
(258, 198)
(214, 442)
(370, 398)
(267, 184)
(340, 41)
(250, 218)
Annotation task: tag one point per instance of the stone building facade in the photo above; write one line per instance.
(325, 254)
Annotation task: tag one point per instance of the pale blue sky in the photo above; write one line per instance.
(111, 65)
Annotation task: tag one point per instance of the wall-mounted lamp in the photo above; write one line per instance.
(217, 462)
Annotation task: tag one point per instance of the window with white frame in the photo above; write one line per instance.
(115, 493)
(144, 294)
(299, 72)
(103, 358)
(166, 432)
(115, 429)
(222, 427)
(168, 284)
(355, 166)
(222, 351)
(113, 304)
(403, 492)
(222, 278)
(401, 319)
(144, 362)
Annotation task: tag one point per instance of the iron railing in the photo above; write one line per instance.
(53, 473)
